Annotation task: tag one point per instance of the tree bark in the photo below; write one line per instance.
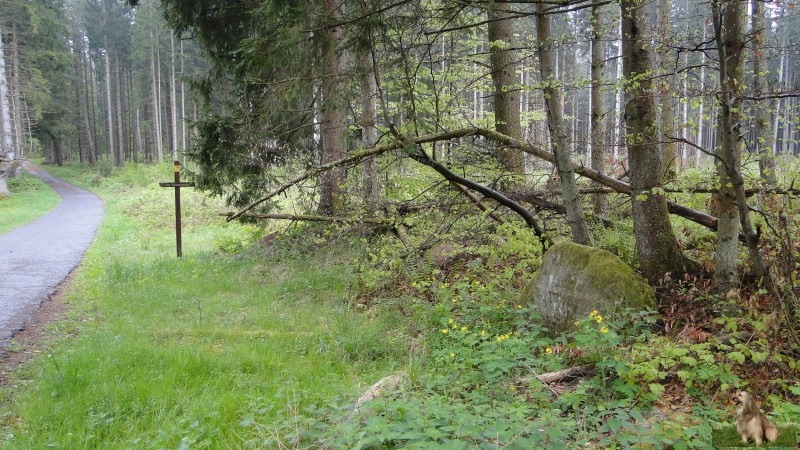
(658, 249)
(597, 100)
(369, 130)
(112, 153)
(331, 197)
(666, 87)
(7, 152)
(502, 59)
(558, 136)
(727, 25)
(173, 98)
(732, 201)
(763, 124)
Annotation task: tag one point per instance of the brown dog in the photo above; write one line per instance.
(751, 423)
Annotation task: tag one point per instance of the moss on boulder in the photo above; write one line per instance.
(575, 280)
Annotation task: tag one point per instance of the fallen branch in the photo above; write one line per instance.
(561, 375)
(312, 218)
(355, 157)
(617, 185)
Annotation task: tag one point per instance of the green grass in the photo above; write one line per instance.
(730, 438)
(30, 198)
(200, 352)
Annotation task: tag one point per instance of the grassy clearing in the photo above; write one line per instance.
(169, 353)
(239, 347)
(31, 198)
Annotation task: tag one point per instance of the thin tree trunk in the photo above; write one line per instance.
(84, 105)
(120, 127)
(369, 136)
(597, 100)
(173, 98)
(732, 202)
(18, 107)
(333, 112)
(112, 153)
(619, 117)
(156, 102)
(727, 25)
(558, 136)
(7, 152)
(669, 152)
(506, 92)
(659, 252)
(763, 126)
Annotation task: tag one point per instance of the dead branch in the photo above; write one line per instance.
(355, 157)
(617, 185)
(482, 206)
(541, 203)
(605, 180)
(312, 218)
(561, 375)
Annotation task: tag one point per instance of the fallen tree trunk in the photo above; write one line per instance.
(617, 185)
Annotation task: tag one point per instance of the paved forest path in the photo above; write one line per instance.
(35, 258)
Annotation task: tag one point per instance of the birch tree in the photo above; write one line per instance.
(7, 154)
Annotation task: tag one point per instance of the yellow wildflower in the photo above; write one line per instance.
(452, 355)
(463, 328)
(603, 330)
(548, 350)
(444, 330)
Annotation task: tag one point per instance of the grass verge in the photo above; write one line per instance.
(30, 198)
(160, 352)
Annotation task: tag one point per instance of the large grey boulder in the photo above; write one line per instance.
(575, 280)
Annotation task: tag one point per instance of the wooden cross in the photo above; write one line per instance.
(177, 185)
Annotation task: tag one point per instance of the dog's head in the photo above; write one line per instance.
(744, 401)
(741, 397)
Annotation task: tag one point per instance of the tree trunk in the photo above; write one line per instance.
(331, 198)
(659, 252)
(112, 153)
(18, 110)
(558, 136)
(7, 152)
(597, 100)
(669, 151)
(173, 98)
(762, 125)
(727, 24)
(120, 127)
(156, 102)
(85, 85)
(502, 58)
(369, 131)
(731, 201)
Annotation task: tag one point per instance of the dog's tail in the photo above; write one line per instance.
(771, 432)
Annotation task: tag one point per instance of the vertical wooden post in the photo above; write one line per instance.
(177, 169)
(177, 185)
